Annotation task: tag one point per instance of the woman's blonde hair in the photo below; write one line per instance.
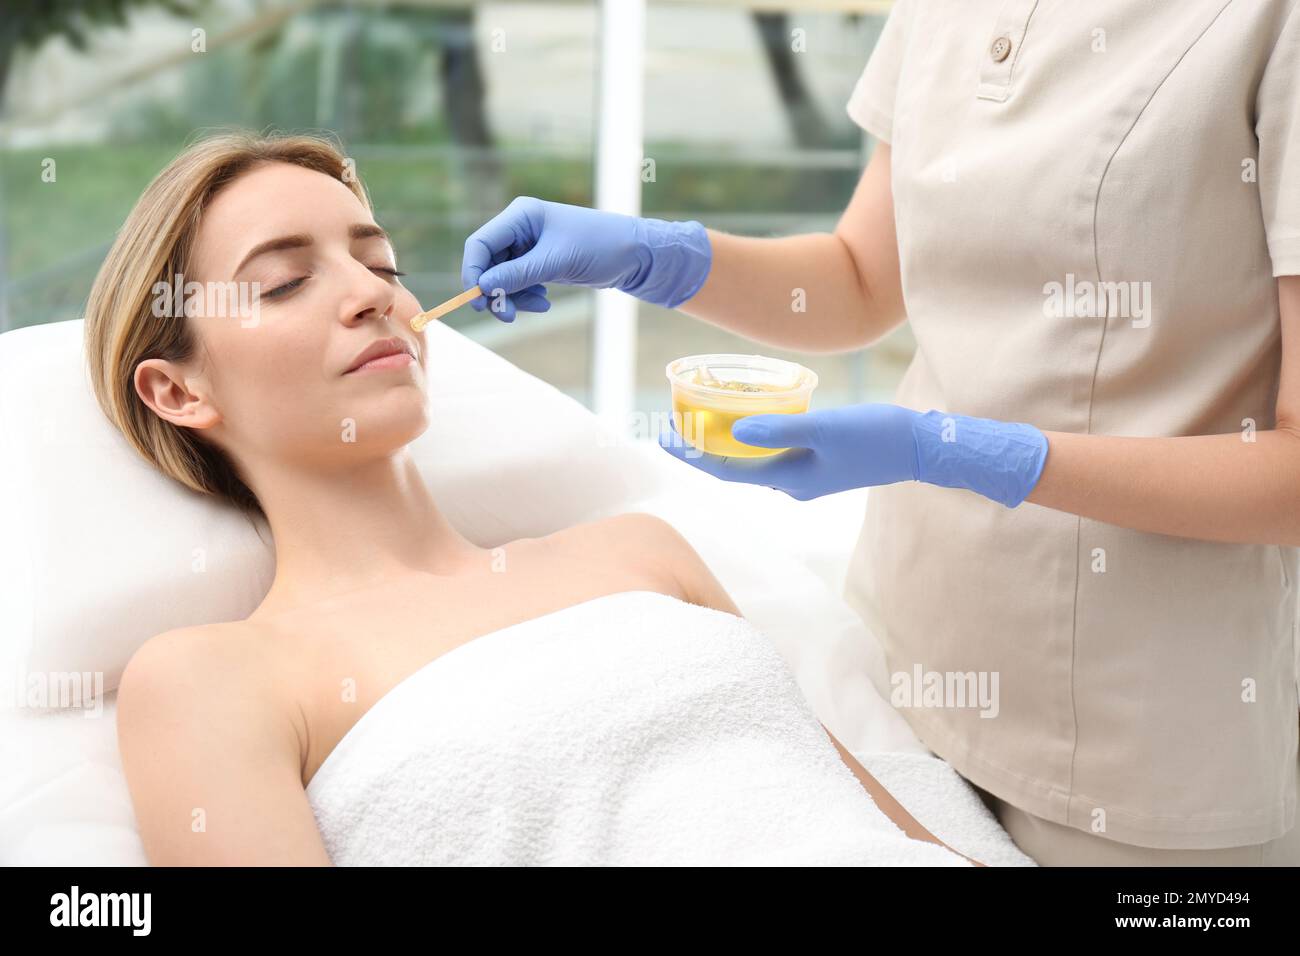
(155, 245)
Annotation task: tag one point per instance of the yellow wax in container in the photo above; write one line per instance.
(705, 419)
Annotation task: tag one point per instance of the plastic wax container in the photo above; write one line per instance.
(710, 392)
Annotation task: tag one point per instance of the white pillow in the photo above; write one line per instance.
(99, 551)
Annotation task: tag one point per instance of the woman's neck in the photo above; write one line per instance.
(338, 532)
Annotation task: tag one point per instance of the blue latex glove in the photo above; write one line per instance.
(533, 242)
(858, 446)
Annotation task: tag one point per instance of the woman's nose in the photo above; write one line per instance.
(368, 295)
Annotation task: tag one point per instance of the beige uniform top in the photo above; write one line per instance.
(1147, 685)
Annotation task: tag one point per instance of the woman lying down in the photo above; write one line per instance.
(402, 696)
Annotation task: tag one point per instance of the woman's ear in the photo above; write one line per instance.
(165, 388)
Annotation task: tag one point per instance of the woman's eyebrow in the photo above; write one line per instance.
(273, 245)
(297, 241)
(365, 230)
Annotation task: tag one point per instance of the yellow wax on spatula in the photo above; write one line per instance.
(418, 322)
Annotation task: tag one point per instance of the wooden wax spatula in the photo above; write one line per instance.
(418, 322)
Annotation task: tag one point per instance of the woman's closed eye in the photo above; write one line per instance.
(287, 287)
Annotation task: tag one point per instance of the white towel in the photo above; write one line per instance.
(633, 728)
(945, 804)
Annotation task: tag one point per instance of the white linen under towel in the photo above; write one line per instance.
(634, 728)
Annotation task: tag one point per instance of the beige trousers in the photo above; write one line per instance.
(1054, 844)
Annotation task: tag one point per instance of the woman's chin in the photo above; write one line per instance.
(387, 424)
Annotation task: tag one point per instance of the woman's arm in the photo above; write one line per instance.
(214, 767)
(813, 293)
(848, 281)
(1214, 487)
(886, 802)
(1240, 487)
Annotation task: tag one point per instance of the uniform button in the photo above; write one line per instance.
(1000, 48)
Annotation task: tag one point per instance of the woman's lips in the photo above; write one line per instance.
(398, 360)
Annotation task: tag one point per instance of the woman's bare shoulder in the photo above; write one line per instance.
(648, 545)
(205, 671)
(212, 757)
(223, 645)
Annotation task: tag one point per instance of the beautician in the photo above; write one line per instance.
(1090, 481)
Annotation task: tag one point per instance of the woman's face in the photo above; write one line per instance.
(277, 375)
